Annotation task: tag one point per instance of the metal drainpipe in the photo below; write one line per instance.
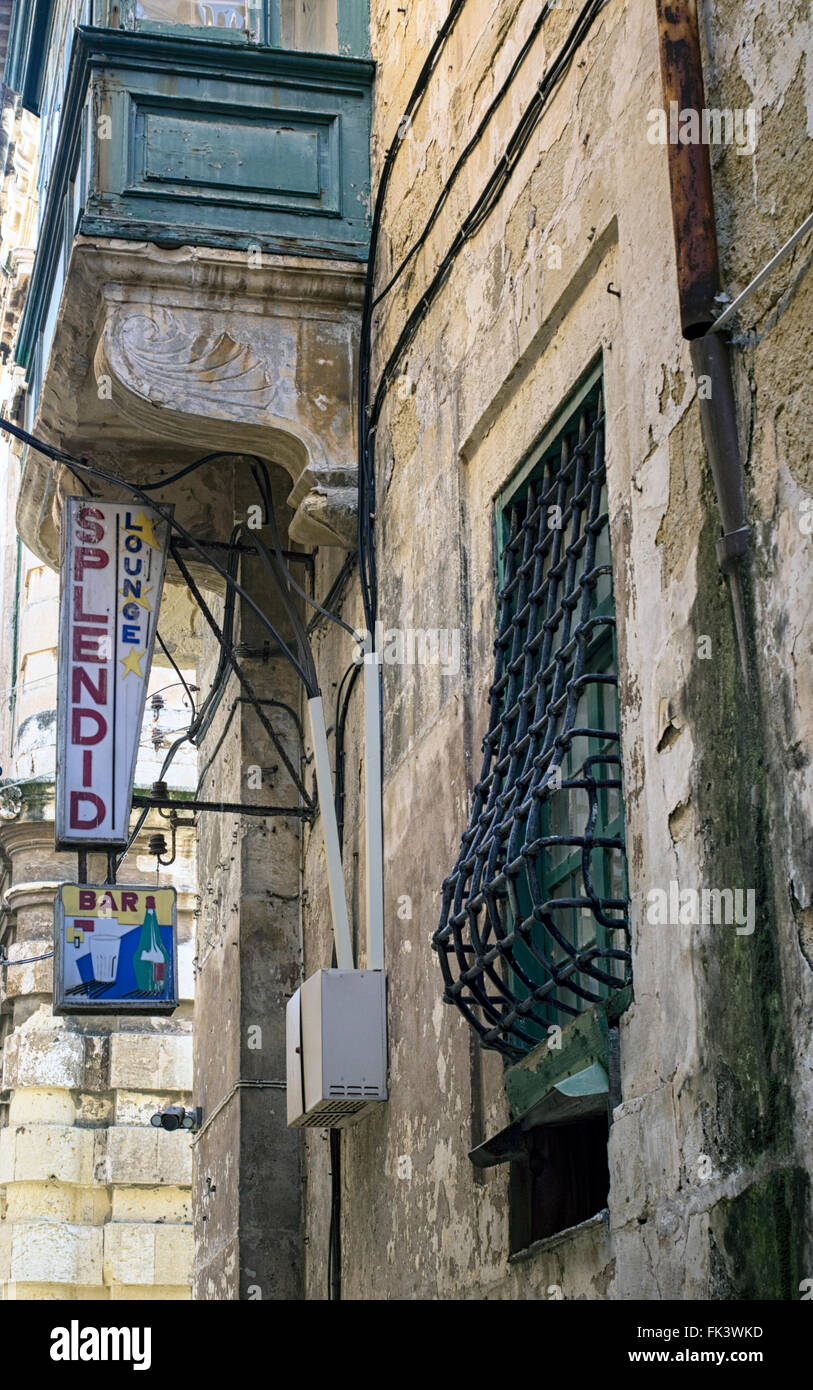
(698, 275)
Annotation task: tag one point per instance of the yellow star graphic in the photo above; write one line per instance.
(131, 598)
(147, 532)
(131, 663)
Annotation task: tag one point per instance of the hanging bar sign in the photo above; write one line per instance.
(116, 949)
(112, 574)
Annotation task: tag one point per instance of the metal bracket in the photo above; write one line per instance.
(732, 547)
(152, 803)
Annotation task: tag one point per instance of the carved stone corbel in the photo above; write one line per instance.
(195, 349)
(167, 371)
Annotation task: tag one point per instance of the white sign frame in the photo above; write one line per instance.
(113, 562)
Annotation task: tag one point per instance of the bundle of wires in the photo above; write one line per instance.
(369, 414)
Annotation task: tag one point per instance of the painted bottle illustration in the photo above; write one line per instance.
(151, 959)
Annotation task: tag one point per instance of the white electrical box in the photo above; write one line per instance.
(336, 1044)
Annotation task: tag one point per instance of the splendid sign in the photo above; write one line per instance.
(113, 563)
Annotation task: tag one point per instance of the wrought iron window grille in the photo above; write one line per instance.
(534, 923)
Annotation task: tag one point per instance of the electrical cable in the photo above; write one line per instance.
(366, 538)
(366, 465)
(334, 1259)
(265, 492)
(5, 960)
(244, 681)
(278, 571)
(80, 480)
(243, 699)
(136, 831)
(368, 416)
(336, 591)
(307, 675)
(189, 468)
(59, 456)
(490, 195)
(200, 724)
(266, 495)
(198, 730)
(341, 719)
(220, 679)
(170, 658)
(469, 148)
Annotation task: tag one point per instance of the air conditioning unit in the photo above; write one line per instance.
(336, 1035)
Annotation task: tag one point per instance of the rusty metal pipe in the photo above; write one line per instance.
(693, 222)
(698, 275)
(698, 270)
(718, 417)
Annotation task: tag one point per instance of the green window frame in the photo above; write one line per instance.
(267, 23)
(534, 926)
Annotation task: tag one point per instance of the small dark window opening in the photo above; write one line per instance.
(562, 1179)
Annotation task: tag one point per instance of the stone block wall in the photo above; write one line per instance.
(94, 1200)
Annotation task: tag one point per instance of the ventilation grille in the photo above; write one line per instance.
(331, 1114)
(371, 1092)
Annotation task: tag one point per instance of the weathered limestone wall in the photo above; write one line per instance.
(761, 57)
(247, 1171)
(708, 1159)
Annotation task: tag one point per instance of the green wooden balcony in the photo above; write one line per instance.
(191, 124)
